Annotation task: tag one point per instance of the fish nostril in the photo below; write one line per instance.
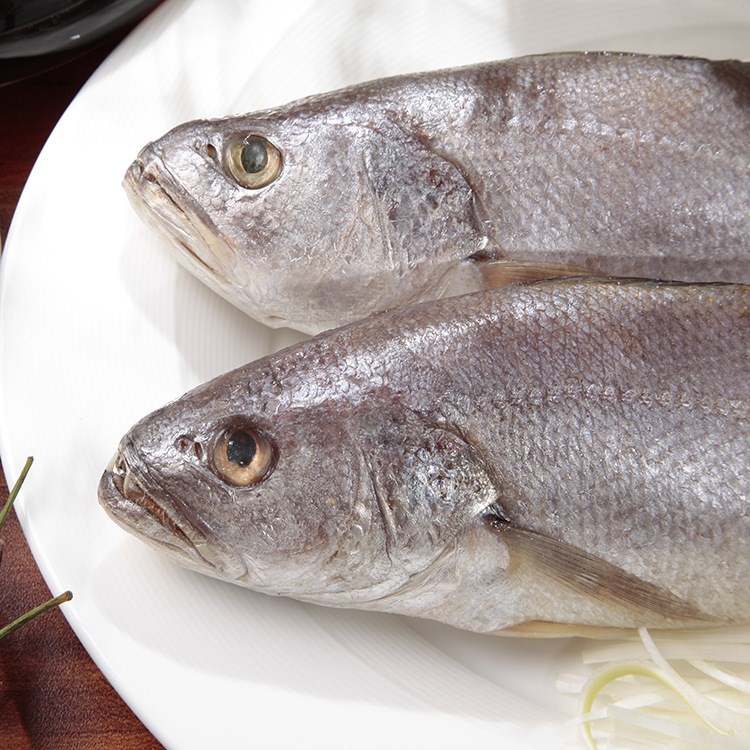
(148, 176)
(184, 443)
(211, 150)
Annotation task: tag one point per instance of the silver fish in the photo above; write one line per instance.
(571, 452)
(423, 186)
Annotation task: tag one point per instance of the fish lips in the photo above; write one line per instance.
(155, 198)
(161, 522)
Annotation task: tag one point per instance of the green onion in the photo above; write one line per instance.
(639, 698)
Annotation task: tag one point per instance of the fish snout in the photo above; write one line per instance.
(145, 168)
(136, 172)
(120, 490)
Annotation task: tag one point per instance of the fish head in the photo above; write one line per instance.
(208, 482)
(284, 478)
(311, 216)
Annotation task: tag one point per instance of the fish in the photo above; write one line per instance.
(422, 186)
(568, 453)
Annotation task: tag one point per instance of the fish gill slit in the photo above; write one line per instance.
(481, 216)
(381, 217)
(386, 514)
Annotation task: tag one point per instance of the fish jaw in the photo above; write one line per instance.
(160, 203)
(161, 524)
(156, 197)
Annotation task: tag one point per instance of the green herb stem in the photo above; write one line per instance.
(14, 492)
(32, 613)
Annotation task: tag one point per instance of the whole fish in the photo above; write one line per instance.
(571, 452)
(422, 186)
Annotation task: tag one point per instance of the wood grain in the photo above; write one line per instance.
(52, 696)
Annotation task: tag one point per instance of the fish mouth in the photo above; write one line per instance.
(150, 191)
(159, 523)
(193, 237)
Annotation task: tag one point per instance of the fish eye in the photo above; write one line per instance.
(254, 162)
(243, 457)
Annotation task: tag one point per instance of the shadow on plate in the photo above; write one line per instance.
(210, 335)
(343, 655)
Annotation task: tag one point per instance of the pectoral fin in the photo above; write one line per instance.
(546, 629)
(498, 273)
(591, 576)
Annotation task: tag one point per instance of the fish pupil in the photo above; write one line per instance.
(254, 155)
(241, 448)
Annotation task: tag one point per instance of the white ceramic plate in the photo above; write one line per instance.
(98, 326)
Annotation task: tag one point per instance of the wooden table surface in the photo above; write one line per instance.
(51, 693)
